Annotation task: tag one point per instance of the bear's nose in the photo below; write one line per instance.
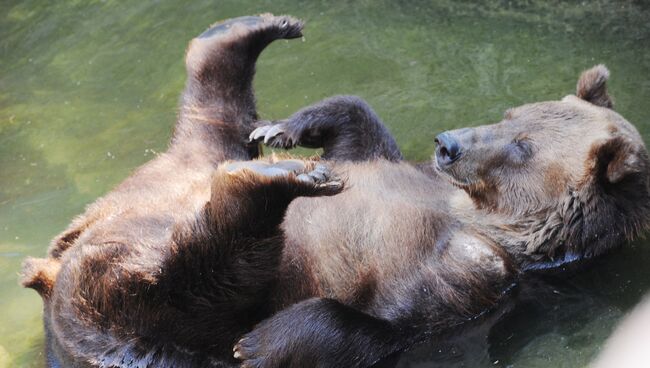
(447, 150)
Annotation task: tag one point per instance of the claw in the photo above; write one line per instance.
(236, 353)
(272, 133)
(259, 133)
(335, 185)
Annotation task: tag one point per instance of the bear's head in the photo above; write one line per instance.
(572, 176)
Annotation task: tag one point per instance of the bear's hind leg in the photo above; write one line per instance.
(218, 104)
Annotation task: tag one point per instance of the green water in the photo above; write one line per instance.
(88, 91)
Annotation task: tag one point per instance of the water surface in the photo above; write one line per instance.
(88, 91)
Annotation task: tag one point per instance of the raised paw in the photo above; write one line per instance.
(283, 26)
(212, 51)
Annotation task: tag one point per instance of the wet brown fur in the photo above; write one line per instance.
(184, 257)
(584, 174)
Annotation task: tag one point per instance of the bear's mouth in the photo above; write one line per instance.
(462, 184)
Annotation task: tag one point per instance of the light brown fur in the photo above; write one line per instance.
(187, 255)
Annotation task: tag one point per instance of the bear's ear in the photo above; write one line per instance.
(617, 158)
(40, 274)
(592, 86)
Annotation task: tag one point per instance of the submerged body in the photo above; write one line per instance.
(294, 267)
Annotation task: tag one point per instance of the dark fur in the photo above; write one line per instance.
(345, 127)
(186, 256)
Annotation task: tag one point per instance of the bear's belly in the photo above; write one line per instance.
(388, 245)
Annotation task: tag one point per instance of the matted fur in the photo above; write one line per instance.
(188, 257)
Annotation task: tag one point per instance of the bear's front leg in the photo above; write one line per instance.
(345, 127)
(318, 333)
(251, 197)
(218, 274)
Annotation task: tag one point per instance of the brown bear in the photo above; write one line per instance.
(203, 258)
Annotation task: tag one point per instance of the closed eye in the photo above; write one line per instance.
(520, 149)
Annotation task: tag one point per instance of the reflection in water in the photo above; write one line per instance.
(545, 321)
(88, 92)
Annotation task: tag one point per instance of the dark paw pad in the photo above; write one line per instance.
(265, 168)
(281, 26)
(323, 179)
(222, 27)
(310, 173)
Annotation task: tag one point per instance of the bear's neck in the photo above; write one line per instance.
(539, 240)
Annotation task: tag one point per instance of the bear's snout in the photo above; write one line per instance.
(448, 149)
